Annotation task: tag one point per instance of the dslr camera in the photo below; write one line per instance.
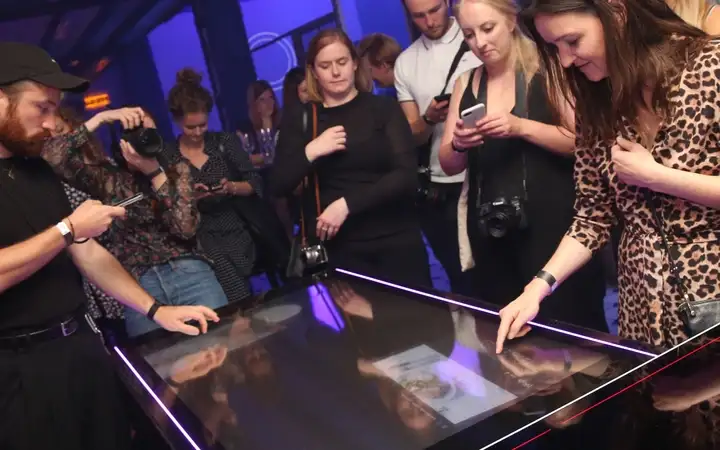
(146, 141)
(500, 216)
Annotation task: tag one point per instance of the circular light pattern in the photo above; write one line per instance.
(264, 37)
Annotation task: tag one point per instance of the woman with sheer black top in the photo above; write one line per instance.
(366, 168)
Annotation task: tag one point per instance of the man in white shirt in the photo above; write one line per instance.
(422, 72)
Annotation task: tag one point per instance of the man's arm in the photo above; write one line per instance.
(20, 261)
(420, 129)
(105, 272)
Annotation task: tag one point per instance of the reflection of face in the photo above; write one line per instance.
(430, 16)
(303, 92)
(334, 69)
(487, 31)
(194, 126)
(257, 360)
(265, 104)
(579, 39)
(28, 118)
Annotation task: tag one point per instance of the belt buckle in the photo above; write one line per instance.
(69, 327)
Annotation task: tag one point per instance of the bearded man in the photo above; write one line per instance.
(57, 388)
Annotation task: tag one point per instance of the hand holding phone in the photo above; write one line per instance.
(442, 98)
(470, 116)
(129, 201)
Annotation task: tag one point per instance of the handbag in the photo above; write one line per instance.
(697, 316)
(308, 254)
(267, 230)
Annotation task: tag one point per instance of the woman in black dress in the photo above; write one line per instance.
(521, 154)
(221, 170)
(365, 163)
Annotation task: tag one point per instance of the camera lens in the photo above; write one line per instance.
(146, 141)
(497, 225)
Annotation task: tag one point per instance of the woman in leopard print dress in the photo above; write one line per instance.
(645, 86)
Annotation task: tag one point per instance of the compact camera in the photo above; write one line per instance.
(314, 257)
(500, 216)
(146, 141)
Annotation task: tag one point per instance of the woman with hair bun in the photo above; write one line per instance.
(220, 170)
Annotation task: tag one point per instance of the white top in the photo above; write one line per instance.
(420, 73)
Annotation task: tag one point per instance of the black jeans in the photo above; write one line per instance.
(440, 226)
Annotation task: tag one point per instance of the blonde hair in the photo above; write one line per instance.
(524, 51)
(693, 12)
(363, 82)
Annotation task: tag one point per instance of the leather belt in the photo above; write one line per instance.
(21, 341)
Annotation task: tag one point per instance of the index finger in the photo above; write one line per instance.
(503, 330)
(443, 104)
(208, 313)
(197, 315)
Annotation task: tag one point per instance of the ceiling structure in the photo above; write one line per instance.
(83, 34)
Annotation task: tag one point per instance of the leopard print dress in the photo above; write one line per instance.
(689, 141)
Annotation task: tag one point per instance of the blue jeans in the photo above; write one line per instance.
(178, 282)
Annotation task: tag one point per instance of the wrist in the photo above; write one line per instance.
(457, 148)
(519, 128)
(95, 121)
(539, 288)
(310, 154)
(153, 171)
(427, 120)
(658, 177)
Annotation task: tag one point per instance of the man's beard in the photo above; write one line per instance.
(15, 139)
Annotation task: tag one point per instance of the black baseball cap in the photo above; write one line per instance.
(21, 62)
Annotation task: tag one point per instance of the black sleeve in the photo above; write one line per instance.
(290, 165)
(401, 180)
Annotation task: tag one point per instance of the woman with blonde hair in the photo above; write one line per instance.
(698, 13)
(518, 194)
(364, 158)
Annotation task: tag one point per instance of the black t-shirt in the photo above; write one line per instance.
(376, 173)
(32, 200)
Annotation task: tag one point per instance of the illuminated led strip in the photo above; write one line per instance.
(157, 399)
(495, 313)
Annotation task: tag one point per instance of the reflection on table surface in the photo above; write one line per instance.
(350, 364)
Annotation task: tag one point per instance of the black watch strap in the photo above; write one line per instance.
(155, 173)
(153, 310)
(457, 149)
(428, 121)
(547, 277)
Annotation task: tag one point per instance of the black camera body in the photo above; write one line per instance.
(146, 141)
(314, 257)
(500, 216)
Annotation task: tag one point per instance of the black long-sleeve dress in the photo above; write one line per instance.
(222, 234)
(376, 174)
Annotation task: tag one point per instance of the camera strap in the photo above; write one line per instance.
(520, 110)
(310, 182)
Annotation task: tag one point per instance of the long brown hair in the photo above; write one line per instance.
(363, 82)
(254, 91)
(645, 42)
(92, 150)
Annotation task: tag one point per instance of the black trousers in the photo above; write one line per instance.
(440, 226)
(400, 258)
(61, 394)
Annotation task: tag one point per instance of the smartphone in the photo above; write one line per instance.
(129, 201)
(216, 188)
(442, 98)
(473, 114)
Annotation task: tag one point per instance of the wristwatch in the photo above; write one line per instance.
(155, 173)
(428, 121)
(67, 234)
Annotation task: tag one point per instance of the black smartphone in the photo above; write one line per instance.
(129, 201)
(442, 98)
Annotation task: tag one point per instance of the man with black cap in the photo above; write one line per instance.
(57, 388)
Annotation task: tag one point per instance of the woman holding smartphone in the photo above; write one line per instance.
(519, 158)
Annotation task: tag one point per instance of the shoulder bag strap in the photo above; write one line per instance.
(676, 277)
(464, 48)
(306, 180)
